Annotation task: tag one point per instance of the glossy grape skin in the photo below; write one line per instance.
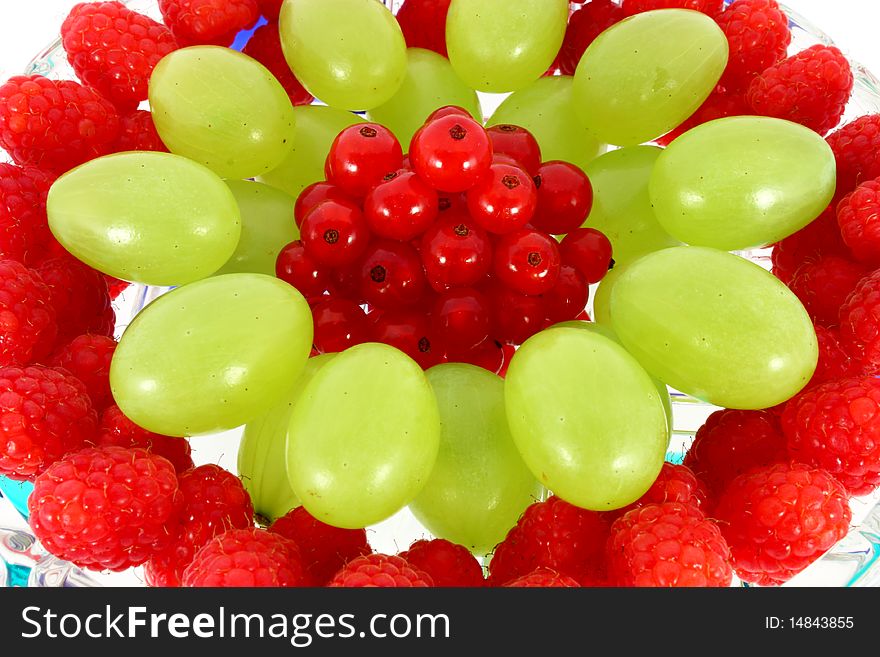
(586, 418)
(503, 45)
(262, 453)
(266, 227)
(152, 218)
(714, 326)
(221, 108)
(430, 83)
(364, 437)
(602, 297)
(742, 182)
(621, 205)
(316, 128)
(211, 355)
(546, 109)
(645, 75)
(349, 53)
(479, 485)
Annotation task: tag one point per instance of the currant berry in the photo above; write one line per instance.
(360, 157)
(313, 195)
(339, 324)
(411, 332)
(565, 198)
(401, 207)
(588, 251)
(517, 143)
(461, 318)
(489, 355)
(515, 317)
(567, 299)
(451, 153)
(295, 266)
(448, 110)
(504, 200)
(335, 233)
(391, 275)
(527, 261)
(455, 252)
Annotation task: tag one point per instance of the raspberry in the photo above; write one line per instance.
(137, 132)
(823, 286)
(818, 238)
(720, 104)
(54, 124)
(28, 324)
(88, 358)
(780, 519)
(208, 21)
(732, 442)
(265, 47)
(324, 549)
(811, 88)
(115, 286)
(246, 558)
(860, 324)
(856, 148)
(79, 296)
(24, 229)
(584, 25)
(543, 578)
(668, 545)
(834, 362)
(270, 9)
(836, 426)
(117, 430)
(381, 571)
(710, 7)
(557, 535)
(858, 216)
(113, 49)
(758, 37)
(106, 508)
(448, 564)
(675, 483)
(214, 501)
(423, 23)
(44, 414)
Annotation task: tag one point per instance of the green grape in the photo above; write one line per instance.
(714, 326)
(364, 437)
(212, 355)
(267, 225)
(479, 486)
(152, 218)
(586, 418)
(602, 296)
(742, 182)
(221, 108)
(644, 76)
(349, 53)
(430, 83)
(262, 454)
(546, 109)
(621, 206)
(503, 45)
(316, 128)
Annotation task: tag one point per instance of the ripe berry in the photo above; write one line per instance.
(380, 570)
(822, 286)
(455, 252)
(856, 148)
(335, 233)
(28, 324)
(720, 104)
(117, 430)
(88, 358)
(411, 332)
(584, 25)
(588, 251)
(265, 46)
(568, 297)
(503, 200)
(818, 238)
(710, 7)
(758, 37)
(313, 195)
(858, 216)
(447, 110)
(401, 207)
(270, 9)
(860, 324)
(565, 197)
(448, 564)
(294, 265)
(339, 324)
(423, 23)
(137, 132)
(79, 296)
(518, 144)
(461, 318)
(527, 261)
(391, 275)
(451, 153)
(489, 355)
(675, 483)
(515, 317)
(24, 229)
(543, 578)
(834, 361)
(361, 156)
(208, 21)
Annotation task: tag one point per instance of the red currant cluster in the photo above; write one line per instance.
(446, 253)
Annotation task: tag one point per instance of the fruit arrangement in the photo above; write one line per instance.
(403, 303)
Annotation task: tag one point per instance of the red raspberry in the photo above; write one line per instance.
(423, 23)
(836, 426)
(780, 519)
(137, 132)
(834, 361)
(44, 414)
(246, 558)
(208, 21)
(270, 9)
(543, 578)
(818, 238)
(811, 88)
(675, 483)
(732, 442)
(823, 286)
(54, 124)
(710, 7)
(106, 508)
(28, 324)
(79, 296)
(448, 564)
(214, 501)
(24, 229)
(858, 216)
(117, 430)
(668, 545)
(758, 37)
(324, 549)
(584, 25)
(381, 571)
(113, 49)
(265, 47)
(720, 104)
(115, 286)
(856, 148)
(88, 358)
(860, 324)
(557, 535)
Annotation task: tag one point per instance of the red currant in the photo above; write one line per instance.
(313, 195)
(335, 233)
(461, 318)
(565, 198)
(527, 261)
(451, 204)
(567, 299)
(339, 324)
(588, 251)
(504, 200)
(401, 207)
(360, 157)
(391, 275)
(455, 252)
(518, 144)
(409, 331)
(295, 266)
(515, 317)
(489, 355)
(451, 153)
(448, 110)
